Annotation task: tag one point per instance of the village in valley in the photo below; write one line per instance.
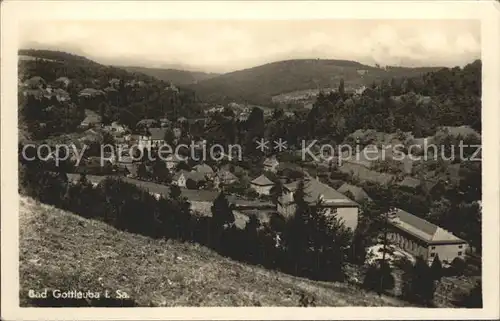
(391, 211)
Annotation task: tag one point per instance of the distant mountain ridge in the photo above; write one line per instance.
(256, 85)
(176, 76)
(259, 84)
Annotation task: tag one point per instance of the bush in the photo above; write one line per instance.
(457, 267)
(472, 299)
(191, 184)
(379, 278)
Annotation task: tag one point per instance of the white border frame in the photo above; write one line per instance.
(14, 12)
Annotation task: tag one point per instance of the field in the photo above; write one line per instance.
(60, 250)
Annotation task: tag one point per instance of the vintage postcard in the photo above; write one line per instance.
(294, 160)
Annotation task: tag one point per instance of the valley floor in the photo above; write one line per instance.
(60, 250)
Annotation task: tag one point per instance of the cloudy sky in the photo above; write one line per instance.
(222, 46)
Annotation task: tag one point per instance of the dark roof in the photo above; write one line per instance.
(316, 190)
(226, 175)
(196, 176)
(358, 193)
(423, 229)
(157, 133)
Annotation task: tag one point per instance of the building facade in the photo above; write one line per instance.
(419, 237)
(333, 202)
(262, 185)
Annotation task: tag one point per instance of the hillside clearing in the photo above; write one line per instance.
(60, 250)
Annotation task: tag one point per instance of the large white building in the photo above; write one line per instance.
(422, 238)
(334, 202)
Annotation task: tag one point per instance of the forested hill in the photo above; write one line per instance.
(178, 77)
(447, 97)
(54, 83)
(258, 84)
(50, 65)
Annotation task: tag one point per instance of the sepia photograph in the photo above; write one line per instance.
(244, 162)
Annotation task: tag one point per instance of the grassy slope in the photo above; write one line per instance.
(258, 84)
(62, 250)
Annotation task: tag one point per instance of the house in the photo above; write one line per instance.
(146, 123)
(262, 185)
(356, 192)
(422, 238)
(366, 175)
(36, 93)
(91, 119)
(110, 89)
(332, 201)
(144, 140)
(115, 127)
(224, 177)
(61, 95)
(157, 136)
(90, 92)
(172, 88)
(135, 83)
(114, 82)
(180, 179)
(197, 177)
(35, 82)
(271, 164)
(177, 132)
(63, 81)
(173, 160)
(164, 122)
(204, 169)
(410, 182)
(215, 109)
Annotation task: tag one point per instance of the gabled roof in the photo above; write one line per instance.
(226, 175)
(262, 180)
(423, 229)
(358, 193)
(315, 190)
(196, 176)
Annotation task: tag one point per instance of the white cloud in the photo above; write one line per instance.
(230, 45)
